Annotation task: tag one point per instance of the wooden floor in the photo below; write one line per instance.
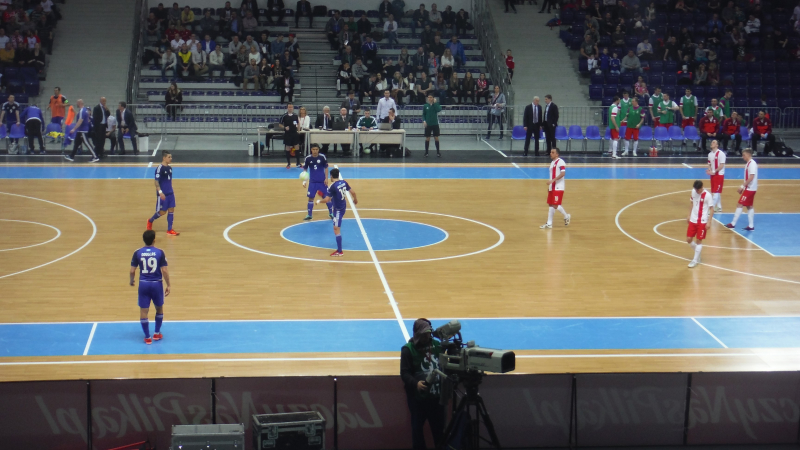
(590, 269)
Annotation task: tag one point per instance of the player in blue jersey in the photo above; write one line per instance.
(165, 197)
(338, 193)
(317, 166)
(152, 264)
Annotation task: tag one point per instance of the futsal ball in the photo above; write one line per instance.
(304, 175)
(367, 151)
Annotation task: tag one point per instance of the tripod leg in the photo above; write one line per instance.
(451, 431)
(483, 414)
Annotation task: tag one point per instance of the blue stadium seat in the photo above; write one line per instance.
(656, 80)
(670, 66)
(783, 79)
(699, 91)
(675, 134)
(575, 134)
(656, 67)
(626, 79)
(612, 79)
(714, 91)
(670, 79)
(690, 133)
(567, 17)
(768, 67)
(595, 92)
(754, 79)
(646, 134)
(598, 78)
(769, 81)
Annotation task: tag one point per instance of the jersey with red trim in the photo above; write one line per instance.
(557, 167)
(701, 204)
(716, 159)
(751, 169)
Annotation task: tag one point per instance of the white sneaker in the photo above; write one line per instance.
(718, 209)
(693, 264)
(625, 153)
(614, 156)
(94, 160)
(547, 225)
(566, 220)
(634, 154)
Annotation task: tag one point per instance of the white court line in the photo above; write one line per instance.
(655, 229)
(364, 358)
(446, 235)
(492, 147)
(709, 333)
(619, 227)
(157, 147)
(387, 289)
(150, 164)
(796, 156)
(91, 238)
(687, 165)
(89, 342)
(58, 234)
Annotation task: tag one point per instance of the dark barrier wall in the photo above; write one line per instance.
(583, 410)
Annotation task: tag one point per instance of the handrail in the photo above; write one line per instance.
(137, 51)
(485, 30)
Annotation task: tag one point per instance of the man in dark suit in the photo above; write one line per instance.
(325, 122)
(550, 122)
(303, 9)
(275, 8)
(100, 120)
(347, 118)
(126, 123)
(532, 121)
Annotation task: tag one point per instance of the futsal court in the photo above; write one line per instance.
(254, 291)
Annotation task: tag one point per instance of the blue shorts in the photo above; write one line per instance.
(163, 205)
(338, 216)
(150, 290)
(313, 188)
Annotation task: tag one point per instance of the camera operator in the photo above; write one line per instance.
(418, 358)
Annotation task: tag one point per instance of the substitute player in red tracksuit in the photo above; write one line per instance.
(762, 129)
(708, 127)
(732, 129)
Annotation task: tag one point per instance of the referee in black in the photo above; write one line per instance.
(291, 138)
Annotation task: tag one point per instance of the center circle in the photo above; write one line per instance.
(383, 234)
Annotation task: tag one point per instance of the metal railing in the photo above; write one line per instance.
(492, 51)
(137, 51)
(150, 118)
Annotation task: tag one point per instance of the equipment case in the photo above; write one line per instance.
(207, 437)
(296, 431)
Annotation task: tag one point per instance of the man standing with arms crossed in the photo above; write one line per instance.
(748, 190)
(655, 99)
(635, 119)
(152, 263)
(430, 121)
(716, 168)
(555, 189)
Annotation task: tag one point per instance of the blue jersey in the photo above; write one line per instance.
(164, 178)
(87, 120)
(150, 260)
(337, 191)
(318, 166)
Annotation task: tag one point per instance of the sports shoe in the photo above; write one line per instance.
(337, 254)
(299, 165)
(438, 155)
(625, 153)
(426, 154)
(718, 209)
(330, 215)
(148, 341)
(149, 224)
(566, 220)
(173, 233)
(547, 225)
(42, 152)
(634, 154)
(158, 337)
(749, 228)
(307, 218)
(729, 225)
(68, 158)
(614, 157)
(288, 166)
(94, 160)
(693, 264)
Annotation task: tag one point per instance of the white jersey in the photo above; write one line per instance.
(701, 205)
(557, 167)
(715, 160)
(751, 169)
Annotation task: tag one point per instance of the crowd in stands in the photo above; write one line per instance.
(187, 46)
(26, 36)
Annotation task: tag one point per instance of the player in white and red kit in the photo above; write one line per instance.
(748, 190)
(702, 212)
(716, 168)
(555, 188)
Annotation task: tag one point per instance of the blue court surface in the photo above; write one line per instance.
(384, 335)
(776, 233)
(384, 234)
(374, 172)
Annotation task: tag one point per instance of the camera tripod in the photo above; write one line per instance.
(464, 430)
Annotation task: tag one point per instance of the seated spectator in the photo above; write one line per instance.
(645, 50)
(162, 14)
(708, 128)
(462, 22)
(293, 47)
(332, 29)
(614, 64)
(448, 19)
(275, 8)
(419, 61)
(156, 51)
(153, 25)
(187, 18)
(45, 32)
(35, 58)
(208, 25)
(168, 62)
(453, 88)
(380, 86)
(192, 42)
(185, 61)
(671, 50)
(286, 85)
(403, 69)
(278, 46)
(344, 76)
(762, 130)
(277, 74)
(467, 91)
(631, 63)
(265, 47)
(360, 73)
(175, 15)
(680, 6)
(618, 37)
(589, 49)
(363, 26)
(753, 25)
(593, 35)
(420, 19)
(242, 60)
(441, 87)
(369, 51)
(640, 88)
(700, 53)
(367, 89)
(728, 12)
(437, 47)
(701, 75)
(287, 62)
(384, 9)
(7, 56)
(265, 75)
(714, 38)
(177, 42)
(457, 50)
(208, 45)
(254, 55)
(434, 65)
(234, 26)
(172, 100)
(713, 74)
(249, 5)
(250, 73)
(448, 64)
(435, 18)
(714, 22)
(482, 88)
(199, 60)
(345, 37)
(607, 25)
(390, 29)
(399, 88)
(233, 50)
(250, 23)
(303, 9)
(216, 62)
(423, 88)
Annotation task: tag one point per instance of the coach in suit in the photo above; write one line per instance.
(532, 121)
(100, 121)
(325, 122)
(349, 120)
(550, 122)
(127, 124)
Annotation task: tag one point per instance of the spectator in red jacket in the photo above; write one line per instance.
(708, 127)
(762, 129)
(731, 129)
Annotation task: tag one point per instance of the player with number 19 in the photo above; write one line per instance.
(338, 193)
(152, 264)
(317, 166)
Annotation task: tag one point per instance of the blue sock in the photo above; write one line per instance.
(330, 207)
(339, 242)
(155, 216)
(146, 327)
(170, 217)
(159, 319)
(310, 208)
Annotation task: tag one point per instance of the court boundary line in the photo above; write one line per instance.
(622, 230)
(58, 234)
(492, 147)
(446, 235)
(655, 229)
(89, 341)
(753, 242)
(709, 333)
(91, 238)
(387, 289)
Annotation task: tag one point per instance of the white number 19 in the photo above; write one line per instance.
(149, 262)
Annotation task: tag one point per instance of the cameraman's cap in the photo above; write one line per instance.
(421, 326)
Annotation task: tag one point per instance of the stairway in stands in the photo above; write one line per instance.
(316, 75)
